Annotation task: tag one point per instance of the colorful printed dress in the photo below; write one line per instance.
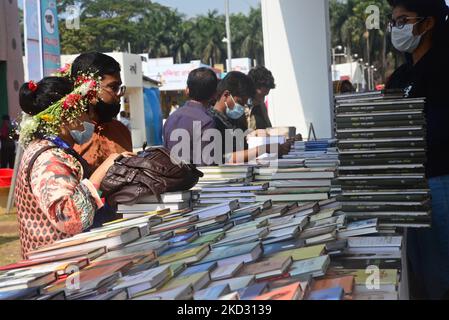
(58, 203)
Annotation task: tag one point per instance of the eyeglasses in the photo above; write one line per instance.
(402, 21)
(116, 89)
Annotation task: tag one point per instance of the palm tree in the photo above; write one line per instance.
(208, 37)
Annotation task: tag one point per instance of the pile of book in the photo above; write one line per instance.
(228, 174)
(382, 146)
(316, 154)
(174, 201)
(227, 251)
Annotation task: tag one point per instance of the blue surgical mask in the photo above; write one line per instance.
(82, 137)
(237, 112)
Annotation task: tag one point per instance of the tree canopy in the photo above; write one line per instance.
(149, 27)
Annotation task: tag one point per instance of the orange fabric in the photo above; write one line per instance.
(109, 138)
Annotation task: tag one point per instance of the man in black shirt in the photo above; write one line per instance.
(233, 93)
(420, 29)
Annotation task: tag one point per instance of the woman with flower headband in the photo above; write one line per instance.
(56, 195)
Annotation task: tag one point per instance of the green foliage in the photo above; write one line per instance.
(108, 25)
(348, 24)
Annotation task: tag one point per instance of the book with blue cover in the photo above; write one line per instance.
(253, 291)
(209, 267)
(336, 293)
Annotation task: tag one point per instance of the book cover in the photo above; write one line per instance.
(291, 292)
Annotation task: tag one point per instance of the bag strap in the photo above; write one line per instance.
(33, 160)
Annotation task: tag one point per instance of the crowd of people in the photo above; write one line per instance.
(71, 137)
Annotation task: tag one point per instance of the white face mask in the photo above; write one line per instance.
(404, 40)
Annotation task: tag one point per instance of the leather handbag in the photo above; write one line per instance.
(152, 172)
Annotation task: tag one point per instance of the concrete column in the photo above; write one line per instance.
(297, 51)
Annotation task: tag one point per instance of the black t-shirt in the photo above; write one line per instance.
(226, 127)
(429, 78)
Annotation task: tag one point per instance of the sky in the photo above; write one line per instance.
(194, 7)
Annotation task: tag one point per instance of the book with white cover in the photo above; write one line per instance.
(366, 242)
(293, 197)
(171, 197)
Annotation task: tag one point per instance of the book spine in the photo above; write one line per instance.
(382, 156)
(387, 184)
(382, 145)
(383, 118)
(380, 108)
(374, 162)
(380, 124)
(375, 135)
(385, 208)
(385, 198)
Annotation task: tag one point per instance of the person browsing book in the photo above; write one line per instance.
(193, 118)
(56, 194)
(420, 29)
(233, 93)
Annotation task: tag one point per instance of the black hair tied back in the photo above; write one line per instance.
(36, 97)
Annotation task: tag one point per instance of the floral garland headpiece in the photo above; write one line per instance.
(48, 122)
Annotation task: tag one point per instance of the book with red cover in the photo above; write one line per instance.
(291, 292)
(347, 283)
(89, 279)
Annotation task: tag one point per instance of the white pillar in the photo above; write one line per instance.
(297, 51)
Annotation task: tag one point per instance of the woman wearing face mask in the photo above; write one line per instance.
(56, 194)
(420, 29)
(233, 93)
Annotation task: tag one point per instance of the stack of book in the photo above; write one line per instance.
(295, 184)
(316, 154)
(226, 251)
(174, 201)
(227, 174)
(219, 193)
(382, 145)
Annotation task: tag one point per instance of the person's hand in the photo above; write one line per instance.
(99, 174)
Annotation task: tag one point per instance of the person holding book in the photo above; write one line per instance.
(56, 194)
(420, 29)
(110, 136)
(233, 93)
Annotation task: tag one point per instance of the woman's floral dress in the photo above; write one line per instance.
(58, 204)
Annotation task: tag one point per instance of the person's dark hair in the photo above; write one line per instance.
(239, 84)
(430, 8)
(202, 84)
(49, 90)
(95, 62)
(262, 78)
